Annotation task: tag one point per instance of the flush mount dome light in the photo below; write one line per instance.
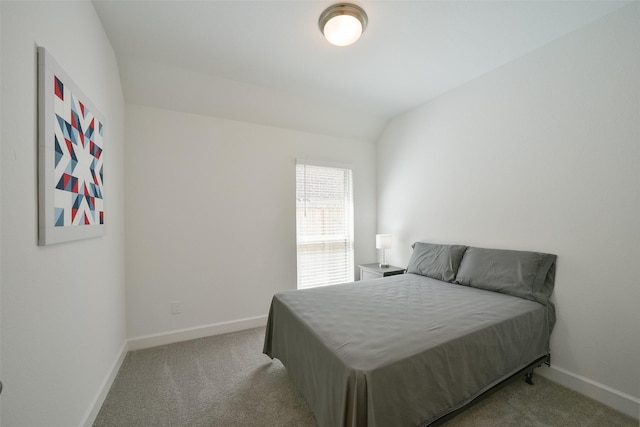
(343, 23)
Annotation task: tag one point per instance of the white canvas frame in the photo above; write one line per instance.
(48, 232)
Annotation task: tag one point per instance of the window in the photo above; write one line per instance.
(324, 225)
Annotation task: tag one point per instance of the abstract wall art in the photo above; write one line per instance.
(70, 158)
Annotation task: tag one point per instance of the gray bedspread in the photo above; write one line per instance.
(402, 350)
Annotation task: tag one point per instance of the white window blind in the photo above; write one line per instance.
(324, 225)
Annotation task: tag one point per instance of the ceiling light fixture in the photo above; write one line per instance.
(343, 23)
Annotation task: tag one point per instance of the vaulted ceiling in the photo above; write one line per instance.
(267, 62)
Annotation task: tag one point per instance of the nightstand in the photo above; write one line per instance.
(374, 271)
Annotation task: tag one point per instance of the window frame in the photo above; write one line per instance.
(345, 238)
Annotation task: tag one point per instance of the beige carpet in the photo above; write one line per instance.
(226, 381)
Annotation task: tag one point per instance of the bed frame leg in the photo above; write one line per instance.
(528, 377)
(528, 373)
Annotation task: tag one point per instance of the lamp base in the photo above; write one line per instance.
(381, 265)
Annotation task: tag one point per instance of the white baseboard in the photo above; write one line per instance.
(146, 341)
(618, 400)
(98, 400)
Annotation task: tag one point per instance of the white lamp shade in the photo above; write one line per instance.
(342, 24)
(383, 241)
(343, 30)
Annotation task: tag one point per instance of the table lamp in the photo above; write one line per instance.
(383, 241)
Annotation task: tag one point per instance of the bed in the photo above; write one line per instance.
(410, 349)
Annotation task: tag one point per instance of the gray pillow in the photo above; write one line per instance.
(528, 275)
(439, 262)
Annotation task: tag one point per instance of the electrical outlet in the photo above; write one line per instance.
(176, 307)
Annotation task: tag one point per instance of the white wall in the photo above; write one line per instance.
(541, 154)
(144, 83)
(63, 308)
(211, 218)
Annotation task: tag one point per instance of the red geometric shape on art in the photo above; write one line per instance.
(74, 122)
(92, 125)
(86, 220)
(69, 146)
(74, 212)
(67, 182)
(95, 150)
(81, 108)
(81, 138)
(58, 87)
(101, 217)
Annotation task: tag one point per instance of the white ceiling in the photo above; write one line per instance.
(266, 61)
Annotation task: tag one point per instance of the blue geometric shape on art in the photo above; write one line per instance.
(91, 201)
(77, 200)
(58, 151)
(57, 147)
(89, 133)
(71, 166)
(58, 218)
(63, 127)
(75, 135)
(100, 128)
(58, 157)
